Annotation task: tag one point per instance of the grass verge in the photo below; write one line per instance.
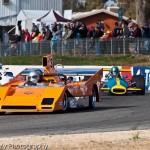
(102, 60)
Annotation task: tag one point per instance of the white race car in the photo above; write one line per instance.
(5, 76)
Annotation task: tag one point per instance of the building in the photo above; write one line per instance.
(9, 9)
(92, 17)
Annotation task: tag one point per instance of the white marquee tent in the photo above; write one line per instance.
(53, 16)
(31, 14)
(27, 17)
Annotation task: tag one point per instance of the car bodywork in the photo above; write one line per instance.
(53, 93)
(122, 85)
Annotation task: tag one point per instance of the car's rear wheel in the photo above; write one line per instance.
(140, 83)
(92, 99)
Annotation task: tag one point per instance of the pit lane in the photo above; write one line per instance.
(113, 113)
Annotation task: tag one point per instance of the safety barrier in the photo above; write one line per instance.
(77, 47)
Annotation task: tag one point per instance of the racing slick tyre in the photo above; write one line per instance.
(2, 113)
(92, 99)
(140, 83)
(65, 103)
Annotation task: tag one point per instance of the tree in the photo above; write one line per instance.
(94, 4)
(70, 4)
(143, 12)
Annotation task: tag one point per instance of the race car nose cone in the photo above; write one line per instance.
(118, 89)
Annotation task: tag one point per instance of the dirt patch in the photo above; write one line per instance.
(125, 140)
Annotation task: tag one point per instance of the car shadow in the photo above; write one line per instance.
(74, 110)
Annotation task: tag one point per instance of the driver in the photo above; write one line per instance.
(32, 79)
(114, 72)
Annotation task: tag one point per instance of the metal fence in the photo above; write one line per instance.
(77, 47)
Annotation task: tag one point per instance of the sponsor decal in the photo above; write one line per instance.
(127, 74)
(28, 92)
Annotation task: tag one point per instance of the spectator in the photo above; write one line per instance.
(106, 42)
(43, 34)
(130, 23)
(66, 38)
(54, 28)
(83, 34)
(131, 32)
(90, 35)
(49, 34)
(116, 33)
(68, 33)
(27, 39)
(54, 43)
(126, 34)
(96, 36)
(83, 31)
(116, 30)
(13, 49)
(137, 34)
(22, 35)
(101, 25)
(22, 40)
(145, 36)
(35, 31)
(58, 35)
(76, 29)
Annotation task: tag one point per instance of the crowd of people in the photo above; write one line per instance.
(97, 35)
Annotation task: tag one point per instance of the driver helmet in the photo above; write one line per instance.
(114, 71)
(33, 77)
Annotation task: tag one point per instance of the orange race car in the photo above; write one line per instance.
(51, 90)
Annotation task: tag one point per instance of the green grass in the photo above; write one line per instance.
(103, 60)
(136, 136)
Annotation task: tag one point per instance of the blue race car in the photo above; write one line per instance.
(116, 84)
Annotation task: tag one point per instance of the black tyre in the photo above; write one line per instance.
(92, 99)
(2, 113)
(65, 103)
(140, 83)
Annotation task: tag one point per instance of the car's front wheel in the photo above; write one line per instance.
(65, 103)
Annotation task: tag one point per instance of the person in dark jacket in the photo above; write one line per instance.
(96, 36)
(137, 34)
(126, 34)
(145, 36)
(115, 36)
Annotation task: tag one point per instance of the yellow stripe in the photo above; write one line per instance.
(121, 69)
(133, 89)
(118, 81)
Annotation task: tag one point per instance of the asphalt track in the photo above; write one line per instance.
(113, 113)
